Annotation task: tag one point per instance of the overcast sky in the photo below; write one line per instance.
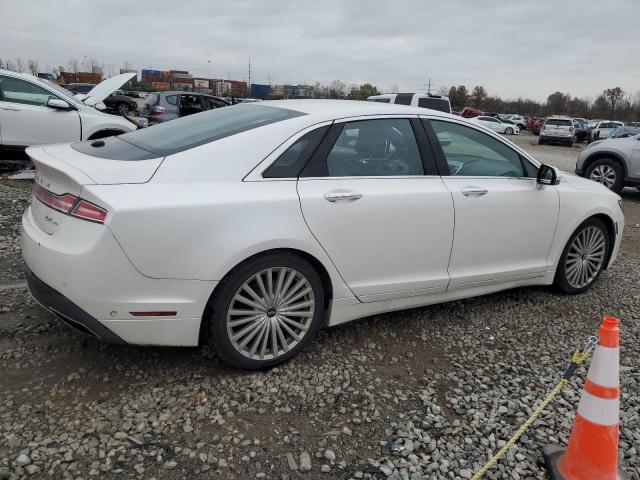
(513, 48)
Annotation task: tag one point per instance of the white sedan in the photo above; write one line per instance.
(251, 227)
(35, 111)
(497, 125)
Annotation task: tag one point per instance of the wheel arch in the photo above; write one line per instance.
(600, 155)
(315, 263)
(611, 230)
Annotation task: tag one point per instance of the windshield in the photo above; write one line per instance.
(59, 90)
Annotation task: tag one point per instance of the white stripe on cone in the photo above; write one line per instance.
(599, 410)
(604, 369)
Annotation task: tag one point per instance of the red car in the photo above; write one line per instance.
(470, 112)
(536, 125)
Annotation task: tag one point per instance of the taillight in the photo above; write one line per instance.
(89, 211)
(70, 205)
(157, 110)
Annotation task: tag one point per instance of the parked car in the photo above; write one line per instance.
(164, 106)
(602, 129)
(614, 162)
(557, 130)
(633, 124)
(519, 120)
(251, 227)
(120, 103)
(36, 111)
(133, 94)
(470, 112)
(582, 131)
(434, 102)
(496, 125)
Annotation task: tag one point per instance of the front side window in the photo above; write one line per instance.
(190, 104)
(385, 147)
(19, 91)
(470, 152)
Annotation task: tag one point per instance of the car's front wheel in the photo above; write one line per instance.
(583, 258)
(266, 311)
(508, 131)
(608, 172)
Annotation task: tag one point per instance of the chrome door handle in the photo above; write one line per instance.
(474, 191)
(342, 196)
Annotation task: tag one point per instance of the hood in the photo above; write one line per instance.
(107, 87)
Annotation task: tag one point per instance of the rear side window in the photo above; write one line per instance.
(194, 130)
(152, 99)
(381, 100)
(293, 160)
(172, 99)
(439, 104)
(404, 98)
(559, 122)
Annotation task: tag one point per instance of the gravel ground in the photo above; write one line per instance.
(419, 394)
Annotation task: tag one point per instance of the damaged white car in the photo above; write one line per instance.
(35, 111)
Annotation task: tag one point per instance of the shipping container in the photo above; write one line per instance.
(161, 85)
(260, 91)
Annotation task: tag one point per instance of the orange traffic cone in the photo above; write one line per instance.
(592, 453)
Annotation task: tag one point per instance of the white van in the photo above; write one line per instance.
(424, 100)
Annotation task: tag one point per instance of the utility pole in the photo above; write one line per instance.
(429, 87)
(249, 84)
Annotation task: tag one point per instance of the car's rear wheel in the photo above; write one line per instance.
(266, 311)
(608, 172)
(583, 258)
(540, 141)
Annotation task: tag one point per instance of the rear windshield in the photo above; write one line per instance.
(188, 132)
(559, 122)
(152, 99)
(439, 104)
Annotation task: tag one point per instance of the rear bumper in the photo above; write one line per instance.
(81, 273)
(68, 311)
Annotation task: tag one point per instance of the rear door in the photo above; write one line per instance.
(372, 197)
(189, 104)
(26, 120)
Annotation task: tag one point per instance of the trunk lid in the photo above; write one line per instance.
(62, 170)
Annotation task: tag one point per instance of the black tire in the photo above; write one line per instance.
(123, 109)
(570, 144)
(618, 183)
(560, 281)
(508, 131)
(540, 141)
(215, 317)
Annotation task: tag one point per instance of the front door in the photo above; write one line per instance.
(504, 220)
(26, 120)
(386, 225)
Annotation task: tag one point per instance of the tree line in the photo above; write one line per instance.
(612, 104)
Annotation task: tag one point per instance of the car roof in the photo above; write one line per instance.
(330, 109)
(24, 76)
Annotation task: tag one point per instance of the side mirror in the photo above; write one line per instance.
(58, 104)
(547, 175)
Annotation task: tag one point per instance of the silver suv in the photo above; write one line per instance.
(557, 130)
(614, 162)
(164, 106)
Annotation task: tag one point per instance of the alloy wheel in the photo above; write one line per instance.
(270, 313)
(604, 174)
(585, 257)
(123, 109)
